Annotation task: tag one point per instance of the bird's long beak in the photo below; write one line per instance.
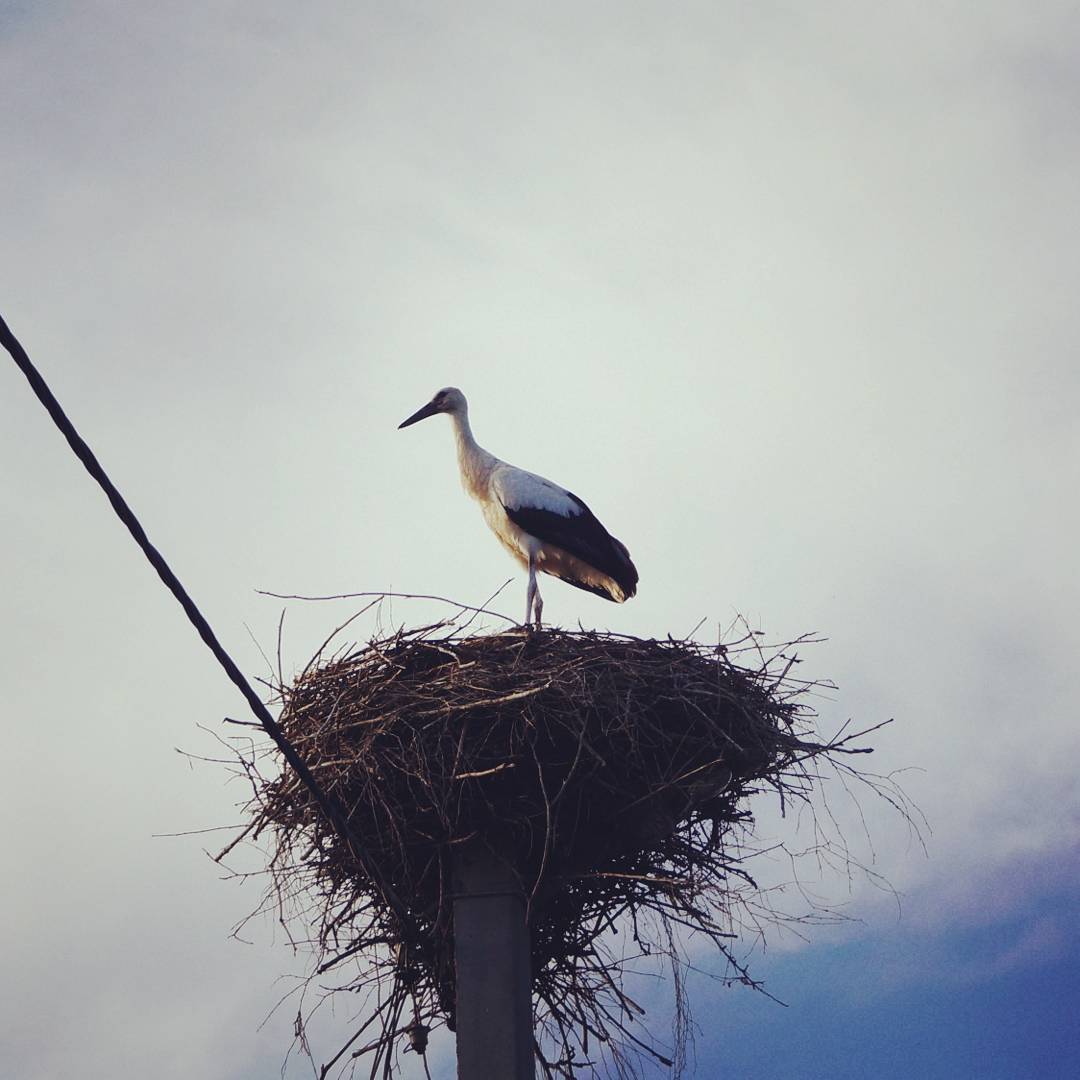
(429, 409)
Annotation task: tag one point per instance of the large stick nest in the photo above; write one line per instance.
(613, 772)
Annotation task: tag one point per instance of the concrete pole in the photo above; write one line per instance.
(492, 970)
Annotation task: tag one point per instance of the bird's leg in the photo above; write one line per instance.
(530, 593)
(532, 597)
(538, 606)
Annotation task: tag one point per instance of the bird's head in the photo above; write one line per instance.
(448, 400)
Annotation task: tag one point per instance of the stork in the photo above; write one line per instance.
(544, 527)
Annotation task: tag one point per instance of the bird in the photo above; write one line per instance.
(545, 527)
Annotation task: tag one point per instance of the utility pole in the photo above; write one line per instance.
(492, 969)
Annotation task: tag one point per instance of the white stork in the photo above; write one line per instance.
(543, 526)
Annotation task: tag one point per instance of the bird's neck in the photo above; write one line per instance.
(474, 461)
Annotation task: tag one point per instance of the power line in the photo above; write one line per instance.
(329, 805)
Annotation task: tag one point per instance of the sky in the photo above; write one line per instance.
(786, 293)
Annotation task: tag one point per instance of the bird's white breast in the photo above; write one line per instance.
(511, 536)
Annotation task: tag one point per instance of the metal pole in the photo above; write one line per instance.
(492, 969)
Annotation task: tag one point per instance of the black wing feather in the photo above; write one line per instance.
(582, 536)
